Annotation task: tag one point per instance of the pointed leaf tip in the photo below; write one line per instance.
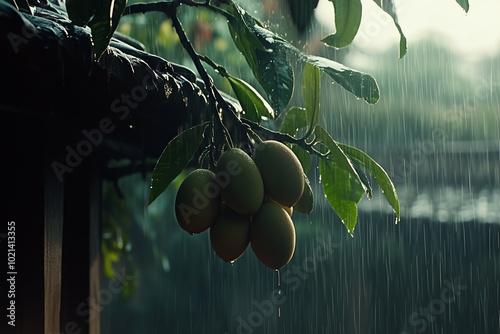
(464, 4)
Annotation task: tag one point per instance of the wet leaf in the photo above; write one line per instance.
(254, 105)
(347, 20)
(264, 53)
(388, 7)
(295, 119)
(174, 159)
(377, 172)
(363, 177)
(311, 89)
(342, 191)
(338, 156)
(362, 85)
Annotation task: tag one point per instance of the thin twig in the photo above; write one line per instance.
(282, 137)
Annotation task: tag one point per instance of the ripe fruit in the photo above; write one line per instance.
(230, 234)
(272, 236)
(281, 172)
(240, 181)
(198, 201)
(306, 201)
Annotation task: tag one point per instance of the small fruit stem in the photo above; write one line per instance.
(282, 137)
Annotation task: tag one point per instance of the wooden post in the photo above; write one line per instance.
(95, 241)
(53, 234)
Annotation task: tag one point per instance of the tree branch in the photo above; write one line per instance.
(283, 137)
(169, 8)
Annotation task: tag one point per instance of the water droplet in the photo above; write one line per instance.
(279, 291)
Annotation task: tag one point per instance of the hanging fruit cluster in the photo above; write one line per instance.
(246, 201)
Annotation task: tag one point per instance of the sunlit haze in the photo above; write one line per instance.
(474, 34)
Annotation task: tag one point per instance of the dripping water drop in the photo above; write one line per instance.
(279, 291)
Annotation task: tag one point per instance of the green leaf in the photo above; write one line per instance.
(378, 173)
(256, 43)
(303, 156)
(342, 191)
(174, 159)
(264, 53)
(388, 7)
(337, 155)
(347, 20)
(295, 119)
(402, 40)
(104, 23)
(362, 85)
(311, 89)
(81, 12)
(464, 4)
(251, 101)
(252, 40)
(363, 177)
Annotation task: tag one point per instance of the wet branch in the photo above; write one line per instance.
(169, 8)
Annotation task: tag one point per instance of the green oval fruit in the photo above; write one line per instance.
(230, 234)
(198, 201)
(272, 236)
(306, 201)
(281, 172)
(240, 181)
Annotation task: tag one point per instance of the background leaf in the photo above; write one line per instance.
(342, 191)
(302, 12)
(311, 89)
(377, 172)
(388, 7)
(362, 85)
(174, 159)
(347, 20)
(81, 12)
